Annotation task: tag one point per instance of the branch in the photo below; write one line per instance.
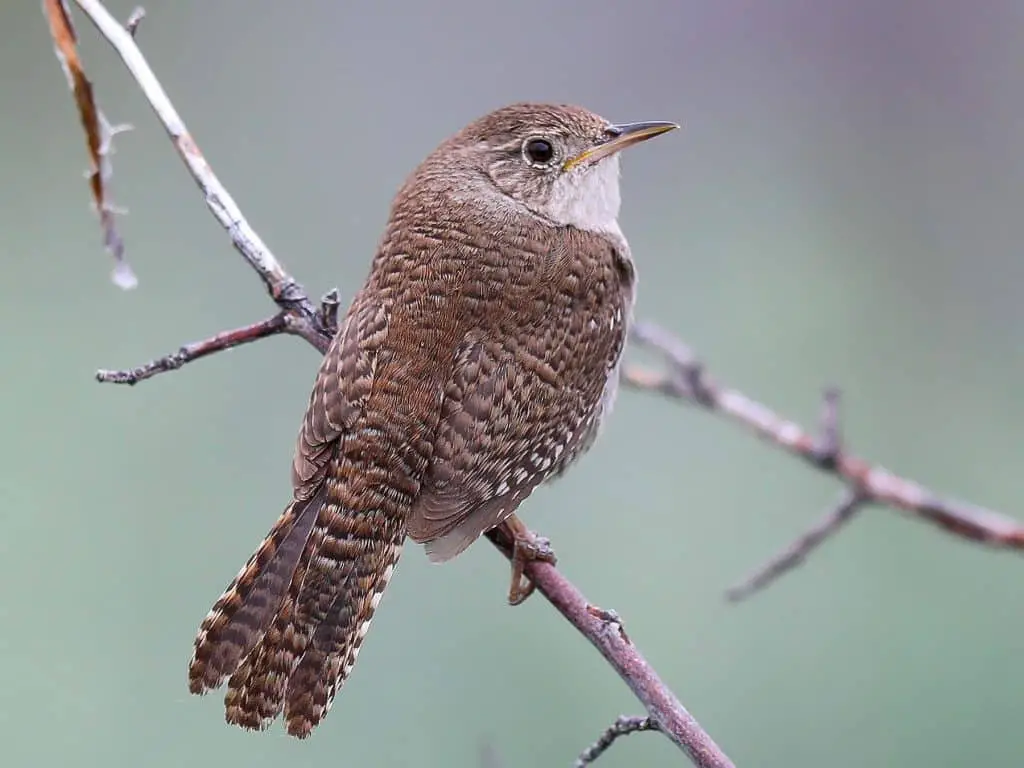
(623, 726)
(605, 632)
(299, 317)
(849, 505)
(685, 379)
(218, 343)
(281, 286)
(99, 136)
(826, 450)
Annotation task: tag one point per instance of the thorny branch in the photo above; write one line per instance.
(299, 317)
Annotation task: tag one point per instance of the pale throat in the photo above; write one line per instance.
(588, 198)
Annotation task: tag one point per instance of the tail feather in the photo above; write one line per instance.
(302, 661)
(334, 646)
(243, 614)
(256, 690)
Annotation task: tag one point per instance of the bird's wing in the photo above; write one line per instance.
(342, 388)
(521, 405)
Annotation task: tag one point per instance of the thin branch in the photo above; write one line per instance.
(282, 287)
(842, 512)
(604, 631)
(685, 379)
(222, 341)
(623, 726)
(302, 319)
(99, 136)
(827, 449)
(136, 17)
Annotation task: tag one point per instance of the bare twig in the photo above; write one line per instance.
(830, 440)
(329, 311)
(826, 451)
(222, 341)
(848, 505)
(99, 135)
(282, 287)
(685, 379)
(299, 317)
(623, 726)
(136, 17)
(604, 630)
(303, 320)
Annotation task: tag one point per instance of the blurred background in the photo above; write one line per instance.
(843, 206)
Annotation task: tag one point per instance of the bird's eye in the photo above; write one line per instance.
(538, 151)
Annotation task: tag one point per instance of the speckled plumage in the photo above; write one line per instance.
(475, 363)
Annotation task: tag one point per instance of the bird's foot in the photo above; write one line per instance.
(527, 546)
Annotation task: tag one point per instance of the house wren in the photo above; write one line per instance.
(477, 361)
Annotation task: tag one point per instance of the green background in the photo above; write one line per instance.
(843, 205)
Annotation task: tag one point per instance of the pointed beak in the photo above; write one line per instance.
(618, 137)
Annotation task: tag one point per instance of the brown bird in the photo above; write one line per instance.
(477, 361)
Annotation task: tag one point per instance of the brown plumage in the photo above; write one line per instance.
(476, 362)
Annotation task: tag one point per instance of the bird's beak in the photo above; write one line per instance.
(619, 137)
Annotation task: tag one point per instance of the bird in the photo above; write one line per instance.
(479, 360)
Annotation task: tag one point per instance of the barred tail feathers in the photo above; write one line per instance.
(255, 695)
(245, 611)
(303, 660)
(336, 641)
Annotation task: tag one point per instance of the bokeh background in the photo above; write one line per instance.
(843, 206)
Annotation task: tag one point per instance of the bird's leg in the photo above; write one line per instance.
(526, 546)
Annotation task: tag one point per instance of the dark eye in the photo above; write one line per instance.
(539, 151)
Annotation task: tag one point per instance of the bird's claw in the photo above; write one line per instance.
(527, 546)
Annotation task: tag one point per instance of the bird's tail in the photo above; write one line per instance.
(241, 616)
(304, 660)
(316, 622)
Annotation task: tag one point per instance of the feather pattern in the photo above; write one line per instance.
(522, 406)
